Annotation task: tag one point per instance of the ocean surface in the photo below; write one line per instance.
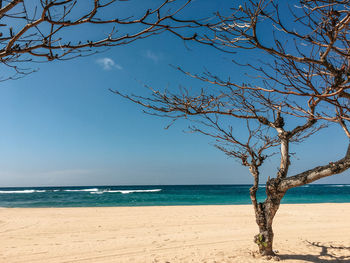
(160, 195)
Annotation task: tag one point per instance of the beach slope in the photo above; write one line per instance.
(303, 233)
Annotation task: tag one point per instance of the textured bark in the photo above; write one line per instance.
(255, 172)
(264, 214)
(264, 239)
(285, 162)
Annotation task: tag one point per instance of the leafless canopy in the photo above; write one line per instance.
(308, 50)
(46, 30)
(300, 83)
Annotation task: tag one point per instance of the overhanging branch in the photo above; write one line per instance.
(316, 173)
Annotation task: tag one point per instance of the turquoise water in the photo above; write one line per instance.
(91, 196)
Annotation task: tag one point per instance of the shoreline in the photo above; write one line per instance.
(155, 206)
(151, 185)
(205, 233)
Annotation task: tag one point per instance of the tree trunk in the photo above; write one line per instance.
(264, 214)
(264, 239)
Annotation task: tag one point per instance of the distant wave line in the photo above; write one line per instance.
(133, 191)
(81, 190)
(22, 192)
(90, 190)
(127, 191)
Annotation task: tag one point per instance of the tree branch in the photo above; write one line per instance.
(316, 173)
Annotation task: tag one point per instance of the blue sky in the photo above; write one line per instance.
(62, 125)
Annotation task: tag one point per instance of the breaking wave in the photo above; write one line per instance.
(133, 191)
(90, 190)
(126, 191)
(81, 190)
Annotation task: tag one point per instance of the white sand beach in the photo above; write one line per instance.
(303, 233)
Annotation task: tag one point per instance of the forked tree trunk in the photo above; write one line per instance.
(264, 219)
(264, 214)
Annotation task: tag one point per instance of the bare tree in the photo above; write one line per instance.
(46, 30)
(302, 80)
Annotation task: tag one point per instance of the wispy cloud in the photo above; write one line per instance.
(156, 57)
(108, 64)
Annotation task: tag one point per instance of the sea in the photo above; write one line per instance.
(162, 195)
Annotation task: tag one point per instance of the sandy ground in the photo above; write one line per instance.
(303, 233)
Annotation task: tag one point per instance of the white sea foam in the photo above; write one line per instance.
(132, 191)
(81, 190)
(126, 191)
(91, 190)
(22, 191)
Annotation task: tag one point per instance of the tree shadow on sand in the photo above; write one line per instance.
(328, 254)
